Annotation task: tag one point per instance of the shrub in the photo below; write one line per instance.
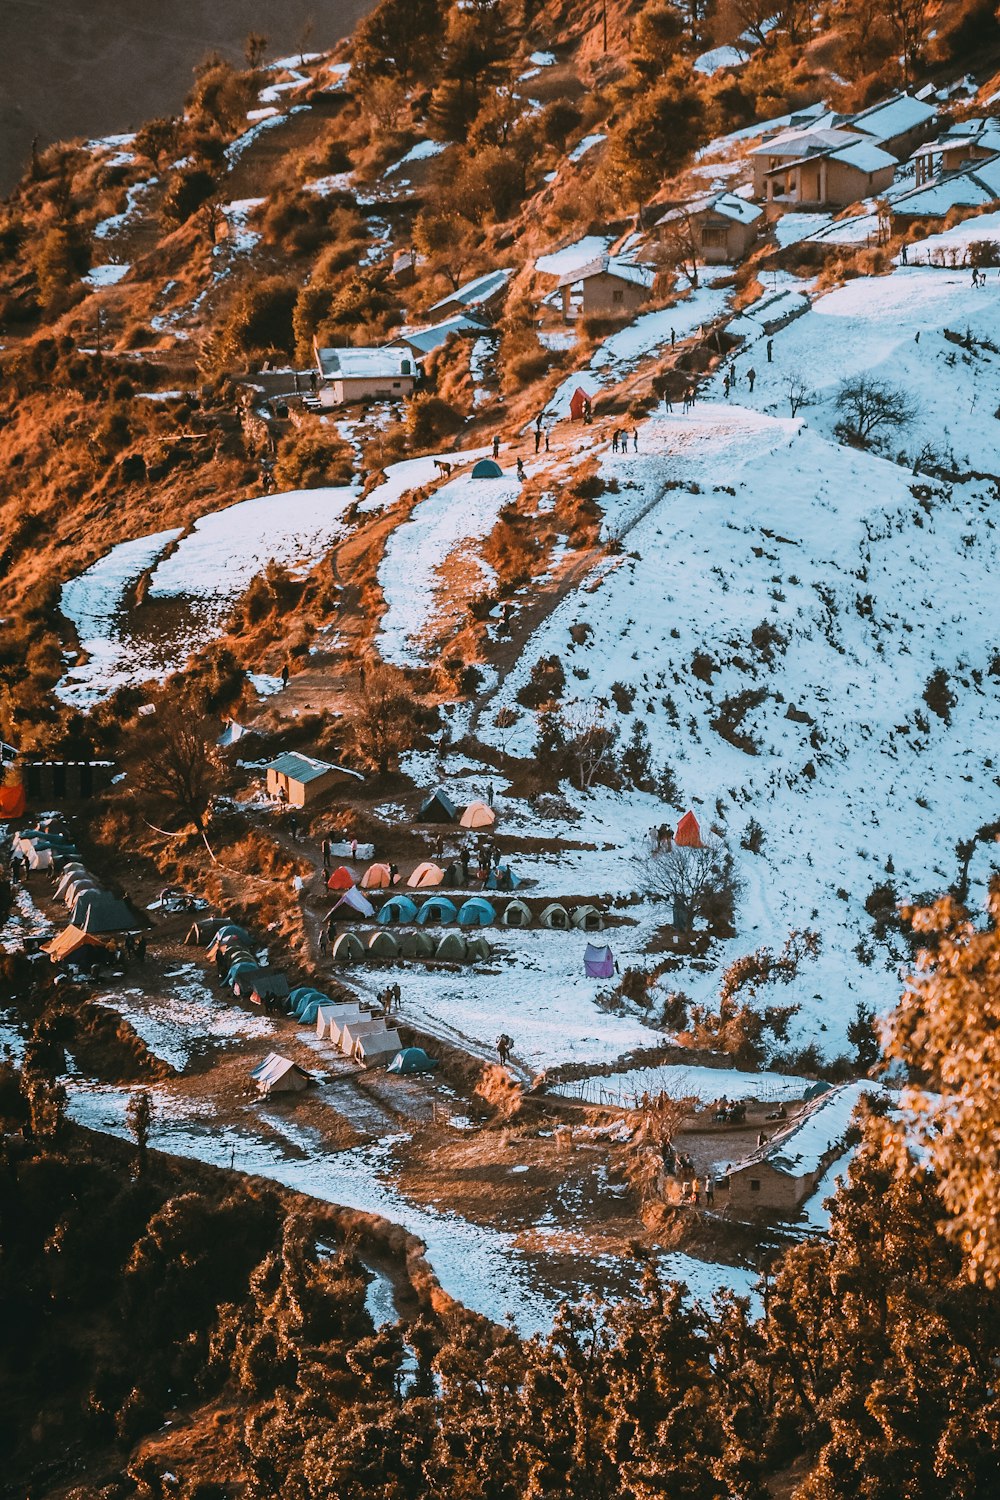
(938, 695)
(546, 684)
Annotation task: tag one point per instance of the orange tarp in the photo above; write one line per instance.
(12, 803)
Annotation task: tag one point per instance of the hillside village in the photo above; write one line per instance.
(499, 541)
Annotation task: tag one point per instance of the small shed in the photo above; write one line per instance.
(580, 404)
(688, 834)
(301, 779)
(598, 963)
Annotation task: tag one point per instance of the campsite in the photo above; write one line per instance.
(499, 697)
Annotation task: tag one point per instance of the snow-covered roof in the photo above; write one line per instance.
(474, 293)
(300, 767)
(608, 265)
(817, 1133)
(728, 205)
(864, 156)
(893, 117)
(967, 188)
(983, 134)
(424, 340)
(806, 142)
(387, 363)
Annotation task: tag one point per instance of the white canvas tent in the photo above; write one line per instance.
(352, 1033)
(331, 1017)
(279, 1075)
(378, 1047)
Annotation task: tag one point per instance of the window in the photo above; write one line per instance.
(618, 296)
(755, 1184)
(396, 384)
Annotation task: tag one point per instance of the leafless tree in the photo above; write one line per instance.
(384, 719)
(867, 406)
(696, 878)
(798, 391)
(254, 48)
(679, 246)
(590, 739)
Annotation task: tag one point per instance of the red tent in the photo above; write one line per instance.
(579, 402)
(12, 803)
(688, 833)
(340, 880)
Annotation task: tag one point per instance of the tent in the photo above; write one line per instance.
(310, 1010)
(242, 975)
(437, 808)
(412, 1060)
(476, 912)
(453, 876)
(383, 945)
(228, 937)
(425, 875)
(688, 833)
(598, 963)
(516, 914)
(478, 815)
(579, 404)
(398, 909)
(478, 949)
(355, 901)
(348, 949)
(70, 873)
(329, 1014)
(100, 911)
(340, 880)
(438, 909)
(76, 888)
(353, 1016)
(202, 932)
(268, 986)
(351, 1033)
(377, 1047)
(503, 879)
(486, 468)
(815, 1090)
(12, 802)
(279, 1075)
(39, 856)
(232, 929)
(376, 878)
(416, 944)
(302, 997)
(587, 918)
(453, 946)
(555, 916)
(71, 940)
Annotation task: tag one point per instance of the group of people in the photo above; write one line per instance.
(390, 998)
(132, 948)
(731, 379)
(505, 1046)
(620, 437)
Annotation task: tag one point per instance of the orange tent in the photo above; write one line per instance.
(688, 833)
(340, 880)
(70, 941)
(425, 875)
(376, 878)
(12, 803)
(478, 815)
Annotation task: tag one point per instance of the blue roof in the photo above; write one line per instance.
(477, 291)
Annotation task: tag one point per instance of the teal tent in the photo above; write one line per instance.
(437, 909)
(398, 909)
(487, 468)
(476, 912)
(412, 1060)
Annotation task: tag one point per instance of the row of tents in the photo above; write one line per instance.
(476, 911)
(380, 946)
(47, 846)
(378, 877)
(358, 1034)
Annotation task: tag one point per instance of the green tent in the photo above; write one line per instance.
(453, 946)
(348, 949)
(416, 945)
(478, 950)
(383, 945)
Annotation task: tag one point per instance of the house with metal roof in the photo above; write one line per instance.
(481, 298)
(605, 287)
(386, 374)
(829, 167)
(299, 779)
(721, 226)
(423, 341)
